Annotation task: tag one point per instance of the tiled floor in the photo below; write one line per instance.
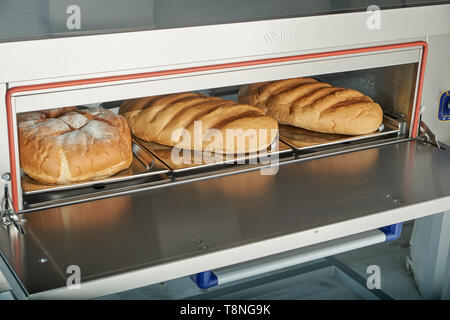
(396, 280)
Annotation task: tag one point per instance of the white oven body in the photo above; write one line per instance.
(159, 243)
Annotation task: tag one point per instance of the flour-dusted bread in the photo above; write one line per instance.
(197, 122)
(74, 146)
(313, 105)
(53, 113)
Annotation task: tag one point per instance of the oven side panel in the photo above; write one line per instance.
(4, 163)
(4, 159)
(437, 81)
(430, 239)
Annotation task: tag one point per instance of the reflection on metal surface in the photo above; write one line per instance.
(201, 160)
(145, 229)
(241, 188)
(303, 139)
(88, 217)
(346, 164)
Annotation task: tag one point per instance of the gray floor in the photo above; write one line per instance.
(289, 283)
(396, 280)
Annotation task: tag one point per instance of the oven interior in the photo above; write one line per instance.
(393, 87)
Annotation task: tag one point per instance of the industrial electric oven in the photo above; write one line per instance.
(160, 221)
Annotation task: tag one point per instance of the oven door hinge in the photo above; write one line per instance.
(8, 216)
(426, 135)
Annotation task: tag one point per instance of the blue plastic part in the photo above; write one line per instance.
(392, 232)
(205, 280)
(444, 106)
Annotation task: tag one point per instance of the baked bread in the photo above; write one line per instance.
(313, 105)
(299, 137)
(53, 113)
(197, 122)
(77, 145)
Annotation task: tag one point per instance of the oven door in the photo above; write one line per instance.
(146, 237)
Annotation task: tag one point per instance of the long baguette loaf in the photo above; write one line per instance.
(197, 122)
(316, 106)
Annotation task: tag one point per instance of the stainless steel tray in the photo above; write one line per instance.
(142, 165)
(301, 139)
(196, 158)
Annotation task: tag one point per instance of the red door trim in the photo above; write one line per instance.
(10, 92)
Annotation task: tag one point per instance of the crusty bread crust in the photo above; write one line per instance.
(162, 119)
(53, 113)
(316, 106)
(76, 146)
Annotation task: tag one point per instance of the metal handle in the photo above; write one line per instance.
(426, 135)
(279, 261)
(8, 215)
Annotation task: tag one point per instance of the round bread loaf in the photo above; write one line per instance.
(316, 106)
(74, 145)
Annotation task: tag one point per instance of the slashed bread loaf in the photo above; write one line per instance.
(313, 105)
(74, 145)
(197, 122)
